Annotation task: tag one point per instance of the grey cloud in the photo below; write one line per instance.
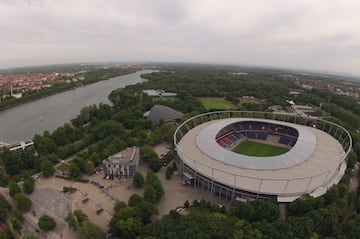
(301, 33)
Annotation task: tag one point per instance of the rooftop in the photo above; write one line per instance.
(163, 113)
(159, 93)
(125, 155)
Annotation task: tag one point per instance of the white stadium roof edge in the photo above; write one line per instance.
(316, 162)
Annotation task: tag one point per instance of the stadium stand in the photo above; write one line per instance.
(234, 133)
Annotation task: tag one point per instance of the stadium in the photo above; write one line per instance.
(302, 155)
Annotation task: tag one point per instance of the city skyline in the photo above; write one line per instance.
(319, 35)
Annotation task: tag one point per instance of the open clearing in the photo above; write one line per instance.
(251, 148)
(216, 103)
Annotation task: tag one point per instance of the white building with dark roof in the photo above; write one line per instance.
(123, 163)
(159, 93)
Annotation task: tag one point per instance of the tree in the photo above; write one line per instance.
(138, 180)
(121, 214)
(12, 162)
(3, 215)
(47, 168)
(17, 214)
(74, 171)
(23, 203)
(28, 185)
(81, 217)
(155, 164)
(119, 205)
(4, 208)
(46, 223)
(147, 152)
(129, 228)
(244, 211)
(351, 228)
(76, 219)
(71, 221)
(302, 227)
(6, 233)
(356, 148)
(89, 167)
(94, 157)
(13, 188)
(135, 200)
(3, 176)
(150, 194)
(326, 222)
(159, 190)
(169, 173)
(267, 210)
(16, 224)
(146, 210)
(91, 231)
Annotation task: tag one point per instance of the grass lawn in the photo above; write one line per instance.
(64, 167)
(216, 103)
(251, 148)
(161, 99)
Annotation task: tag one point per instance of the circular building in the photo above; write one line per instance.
(313, 159)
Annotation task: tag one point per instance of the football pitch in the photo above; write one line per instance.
(256, 149)
(216, 103)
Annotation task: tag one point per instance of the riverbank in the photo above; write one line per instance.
(91, 77)
(24, 121)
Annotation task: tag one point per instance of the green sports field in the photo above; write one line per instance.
(251, 148)
(216, 103)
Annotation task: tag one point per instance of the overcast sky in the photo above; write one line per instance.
(308, 34)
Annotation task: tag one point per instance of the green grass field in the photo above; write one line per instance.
(251, 148)
(216, 103)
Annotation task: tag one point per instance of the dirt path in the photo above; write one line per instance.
(353, 188)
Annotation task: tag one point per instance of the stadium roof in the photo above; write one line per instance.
(301, 151)
(320, 165)
(163, 113)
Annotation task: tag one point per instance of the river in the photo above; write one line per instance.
(24, 121)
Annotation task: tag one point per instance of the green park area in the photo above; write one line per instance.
(248, 100)
(251, 148)
(211, 103)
